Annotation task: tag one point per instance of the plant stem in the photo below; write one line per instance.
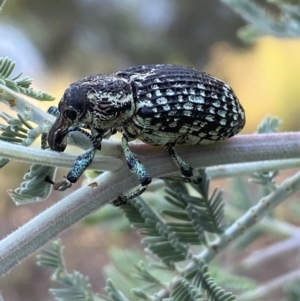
(50, 158)
(267, 288)
(53, 221)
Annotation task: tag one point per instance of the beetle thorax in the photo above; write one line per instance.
(111, 105)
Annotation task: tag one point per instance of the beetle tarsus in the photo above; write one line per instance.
(62, 185)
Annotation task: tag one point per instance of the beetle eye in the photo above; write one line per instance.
(70, 113)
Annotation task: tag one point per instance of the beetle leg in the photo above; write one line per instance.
(82, 162)
(189, 173)
(96, 140)
(138, 168)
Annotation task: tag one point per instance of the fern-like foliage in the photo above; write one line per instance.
(34, 188)
(52, 256)
(113, 294)
(192, 286)
(142, 272)
(170, 240)
(75, 286)
(202, 212)
(15, 131)
(195, 285)
(20, 84)
(18, 130)
(280, 18)
(11, 132)
(162, 239)
(198, 285)
(170, 233)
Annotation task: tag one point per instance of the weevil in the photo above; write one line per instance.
(158, 104)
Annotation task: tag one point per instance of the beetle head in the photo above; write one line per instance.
(99, 102)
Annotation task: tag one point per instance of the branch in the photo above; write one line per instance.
(239, 149)
(108, 186)
(50, 158)
(269, 253)
(272, 286)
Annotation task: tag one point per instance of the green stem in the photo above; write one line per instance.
(49, 158)
(53, 221)
(236, 170)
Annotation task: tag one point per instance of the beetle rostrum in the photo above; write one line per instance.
(158, 104)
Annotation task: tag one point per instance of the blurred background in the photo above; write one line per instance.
(58, 42)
